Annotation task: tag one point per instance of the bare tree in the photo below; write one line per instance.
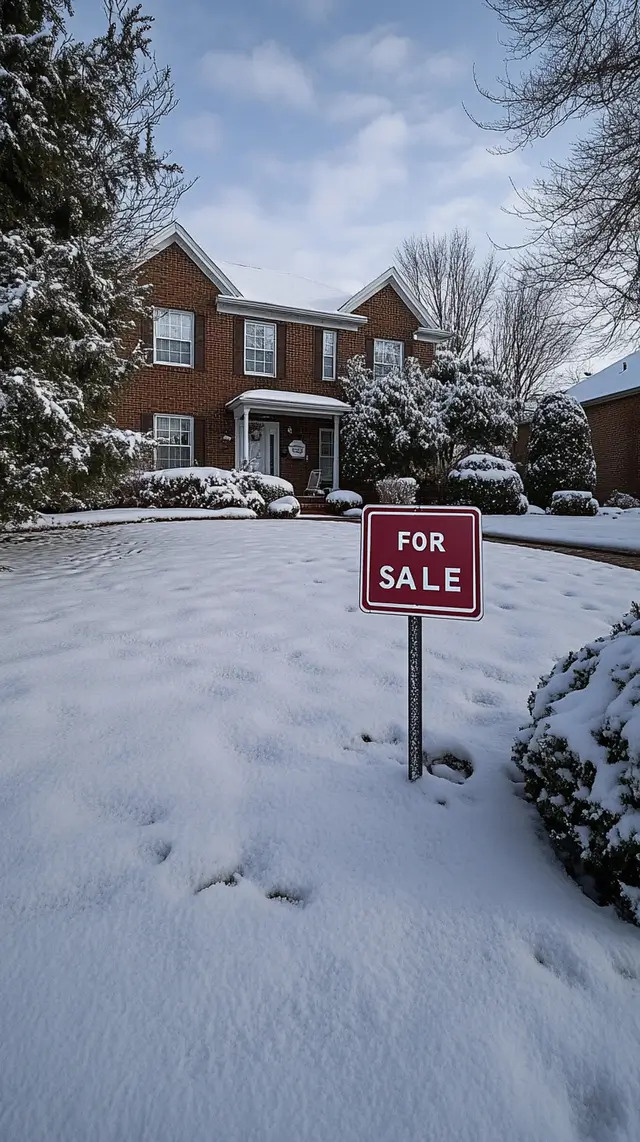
(530, 336)
(456, 290)
(584, 213)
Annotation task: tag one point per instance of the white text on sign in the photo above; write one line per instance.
(405, 578)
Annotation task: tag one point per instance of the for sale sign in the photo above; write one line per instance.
(422, 561)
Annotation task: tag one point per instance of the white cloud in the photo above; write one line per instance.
(268, 72)
(349, 106)
(447, 66)
(202, 132)
(379, 49)
(316, 10)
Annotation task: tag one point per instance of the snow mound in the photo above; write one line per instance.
(285, 506)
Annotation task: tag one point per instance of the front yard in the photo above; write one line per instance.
(226, 914)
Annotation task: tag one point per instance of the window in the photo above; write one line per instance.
(175, 441)
(172, 337)
(387, 355)
(326, 457)
(260, 348)
(328, 354)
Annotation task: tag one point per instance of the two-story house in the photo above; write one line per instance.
(244, 364)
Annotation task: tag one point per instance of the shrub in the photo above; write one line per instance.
(622, 500)
(560, 454)
(190, 490)
(285, 506)
(269, 487)
(341, 500)
(573, 503)
(580, 757)
(397, 490)
(489, 483)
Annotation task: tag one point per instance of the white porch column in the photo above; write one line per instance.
(245, 435)
(336, 452)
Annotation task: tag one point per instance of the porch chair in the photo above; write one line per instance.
(313, 486)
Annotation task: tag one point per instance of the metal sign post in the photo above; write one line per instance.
(415, 697)
(419, 561)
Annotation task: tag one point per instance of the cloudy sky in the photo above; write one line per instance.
(323, 132)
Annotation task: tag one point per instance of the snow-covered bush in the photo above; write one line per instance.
(340, 500)
(286, 506)
(397, 490)
(622, 500)
(560, 455)
(185, 491)
(269, 487)
(573, 503)
(489, 483)
(580, 757)
(353, 513)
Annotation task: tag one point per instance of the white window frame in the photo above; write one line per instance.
(331, 433)
(165, 311)
(332, 355)
(383, 368)
(261, 372)
(178, 417)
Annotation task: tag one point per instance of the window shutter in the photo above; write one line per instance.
(409, 350)
(198, 354)
(281, 348)
(238, 346)
(368, 352)
(146, 337)
(198, 440)
(318, 335)
(146, 422)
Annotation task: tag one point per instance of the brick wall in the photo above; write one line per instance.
(178, 283)
(615, 432)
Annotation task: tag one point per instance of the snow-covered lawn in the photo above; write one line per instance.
(610, 530)
(225, 915)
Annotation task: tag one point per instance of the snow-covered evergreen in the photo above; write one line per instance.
(560, 455)
(416, 422)
(489, 483)
(77, 151)
(580, 757)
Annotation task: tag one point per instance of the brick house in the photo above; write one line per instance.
(243, 364)
(611, 400)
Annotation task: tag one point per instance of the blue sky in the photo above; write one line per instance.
(322, 132)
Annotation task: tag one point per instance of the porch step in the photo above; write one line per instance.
(312, 505)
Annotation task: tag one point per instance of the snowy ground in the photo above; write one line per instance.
(183, 711)
(610, 530)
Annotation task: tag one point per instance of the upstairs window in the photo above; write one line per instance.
(329, 339)
(173, 337)
(260, 348)
(387, 355)
(174, 435)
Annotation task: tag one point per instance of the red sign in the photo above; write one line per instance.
(422, 561)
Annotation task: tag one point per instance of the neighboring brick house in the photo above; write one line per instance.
(244, 363)
(611, 400)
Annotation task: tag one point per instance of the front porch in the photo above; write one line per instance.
(289, 434)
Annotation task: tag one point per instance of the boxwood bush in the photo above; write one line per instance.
(580, 757)
(573, 503)
(342, 500)
(622, 500)
(489, 483)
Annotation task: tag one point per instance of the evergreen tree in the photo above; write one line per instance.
(80, 185)
(560, 455)
(477, 407)
(395, 427)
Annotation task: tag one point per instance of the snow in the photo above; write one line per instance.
(618, 378)
(285, 506)
(132, 515)
(283, 396)
(280, 288)
(199, 473)
(610, 530)
(343, 496)
(226, 913)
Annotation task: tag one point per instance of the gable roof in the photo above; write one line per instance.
(618, 379)
(290, 291)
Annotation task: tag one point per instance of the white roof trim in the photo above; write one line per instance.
(426, 333)
(265, 310)
(394, 278)
(276, 400)
(174, 232)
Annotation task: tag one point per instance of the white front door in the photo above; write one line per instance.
(264, 452)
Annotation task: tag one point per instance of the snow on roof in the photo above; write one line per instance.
(622, 376)
(281, 288)
(283, 396)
